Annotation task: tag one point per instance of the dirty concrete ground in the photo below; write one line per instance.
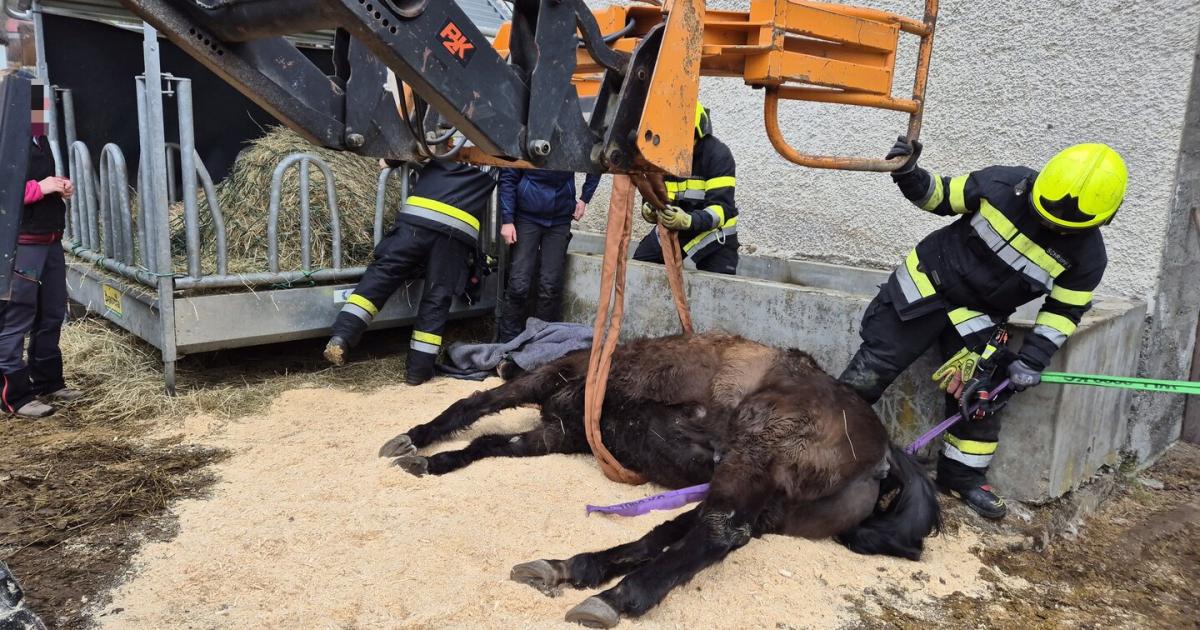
(80, 495)
(1133, 563)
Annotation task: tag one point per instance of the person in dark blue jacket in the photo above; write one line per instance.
(536, 209)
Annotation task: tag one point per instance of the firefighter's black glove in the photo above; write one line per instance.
(903, 147)
(977, 402)
(1021, 375)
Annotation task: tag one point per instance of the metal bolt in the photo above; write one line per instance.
(355, 140)
(540, 148)
(641, 74)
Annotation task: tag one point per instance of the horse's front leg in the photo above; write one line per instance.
(725, 521)
(531, 387)
(593, 568)
(543, 440)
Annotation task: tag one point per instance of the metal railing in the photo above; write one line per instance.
(103, 228)
(216, 215)
(381, 196)
(99, 220)
(303, 161)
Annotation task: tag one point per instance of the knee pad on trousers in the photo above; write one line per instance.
(868, 375)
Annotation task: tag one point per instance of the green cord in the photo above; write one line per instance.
(1123, 382)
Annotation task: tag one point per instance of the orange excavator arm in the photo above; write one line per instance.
(793, 49)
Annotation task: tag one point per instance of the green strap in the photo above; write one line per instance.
(1123, 382)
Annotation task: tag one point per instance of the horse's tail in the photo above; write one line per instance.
(900, 527)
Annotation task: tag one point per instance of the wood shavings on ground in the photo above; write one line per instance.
(307, 527)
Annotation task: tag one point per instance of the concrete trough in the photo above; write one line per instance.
(1055, 436)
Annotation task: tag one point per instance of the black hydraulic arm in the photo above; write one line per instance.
(523, 110)
(442, 55)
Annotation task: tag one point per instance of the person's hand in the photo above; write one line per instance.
(675, 218)
(68, 189)
(509, 232)
(648, 214)
(580, 208)
(904, 148)
(959, 369)
(1021, 375)
(52, 185)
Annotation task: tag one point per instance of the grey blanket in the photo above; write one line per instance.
(540, 343)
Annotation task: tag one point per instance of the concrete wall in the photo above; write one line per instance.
(1011, 82)
(1171, 334)
(1055, 437)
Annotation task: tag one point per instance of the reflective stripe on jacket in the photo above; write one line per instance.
(451, 198)
(708, 196)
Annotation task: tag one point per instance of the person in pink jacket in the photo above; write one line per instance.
(37, 300)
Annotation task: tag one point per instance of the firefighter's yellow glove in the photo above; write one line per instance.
(675, 218)
(648, 213)
(958, 370)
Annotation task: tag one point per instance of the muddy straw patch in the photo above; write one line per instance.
(1134, 563)
(73, 509)
(245, 196)
(80, 491)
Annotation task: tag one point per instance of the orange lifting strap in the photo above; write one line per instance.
(609, 311)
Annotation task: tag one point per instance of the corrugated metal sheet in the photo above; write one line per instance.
(488, 15)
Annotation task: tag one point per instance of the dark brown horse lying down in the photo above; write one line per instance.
(788, 450)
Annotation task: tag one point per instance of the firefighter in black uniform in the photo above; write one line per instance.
(701, 207)
(1020, 235)
(436, 237)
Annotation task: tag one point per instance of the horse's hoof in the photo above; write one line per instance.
(398, 446)
(539, 574)
(414, 464)
(594, 612)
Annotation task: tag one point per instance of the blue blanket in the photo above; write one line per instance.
(540, 343)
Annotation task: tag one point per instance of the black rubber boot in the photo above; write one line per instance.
(979, 497)
(335, 350)
(419, 368)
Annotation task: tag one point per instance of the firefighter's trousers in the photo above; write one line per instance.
(889, 346)
(408, 253)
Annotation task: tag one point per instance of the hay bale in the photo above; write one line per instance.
(245, 198)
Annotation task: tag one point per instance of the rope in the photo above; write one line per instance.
(673, 260)
(610, 311)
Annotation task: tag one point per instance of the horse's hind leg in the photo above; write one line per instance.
(531, 387)
(738, 495)
(591, 569)
(545, 439)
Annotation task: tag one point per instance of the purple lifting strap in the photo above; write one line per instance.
(679, 498)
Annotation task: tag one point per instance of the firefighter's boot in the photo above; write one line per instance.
(971, 487)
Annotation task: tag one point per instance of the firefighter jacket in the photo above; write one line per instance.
(994, 258)
(708, 197)
(451, 198)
